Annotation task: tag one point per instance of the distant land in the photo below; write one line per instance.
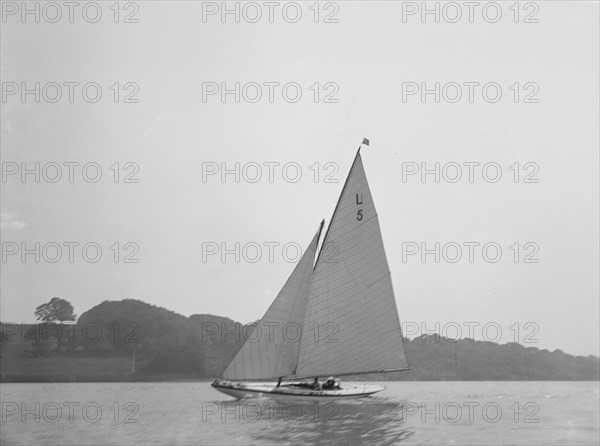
(130, 340)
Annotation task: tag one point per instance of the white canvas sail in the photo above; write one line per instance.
(273, 350)
(352, 303)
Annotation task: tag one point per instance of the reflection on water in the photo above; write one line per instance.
(373, 420)
(190, 413)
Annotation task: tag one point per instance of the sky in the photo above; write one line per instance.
(162, 208)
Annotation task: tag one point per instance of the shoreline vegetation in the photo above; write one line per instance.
(132, 341)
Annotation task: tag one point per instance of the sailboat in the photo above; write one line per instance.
(333, 317)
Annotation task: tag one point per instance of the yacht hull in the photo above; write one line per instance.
(286, 392)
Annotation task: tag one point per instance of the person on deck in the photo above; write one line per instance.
(329, 384)
(317, 384)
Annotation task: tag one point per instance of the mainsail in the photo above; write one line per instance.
(343, 307)
(352, 323)
(272, 349)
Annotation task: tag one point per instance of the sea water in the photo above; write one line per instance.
(186, 413)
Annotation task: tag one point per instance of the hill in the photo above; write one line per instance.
(131, 340)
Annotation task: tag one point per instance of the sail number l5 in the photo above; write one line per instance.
(359, 214)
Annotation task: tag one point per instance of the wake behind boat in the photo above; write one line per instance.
(333, 317)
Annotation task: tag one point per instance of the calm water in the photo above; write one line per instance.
(405, 413)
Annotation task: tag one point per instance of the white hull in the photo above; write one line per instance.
(286, 392)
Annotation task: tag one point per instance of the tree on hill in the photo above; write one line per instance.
(56, 310)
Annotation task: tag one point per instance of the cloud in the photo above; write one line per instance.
(8, 221)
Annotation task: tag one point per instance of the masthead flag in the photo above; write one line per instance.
(365, 142)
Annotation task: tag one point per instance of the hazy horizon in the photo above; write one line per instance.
(543, 212)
